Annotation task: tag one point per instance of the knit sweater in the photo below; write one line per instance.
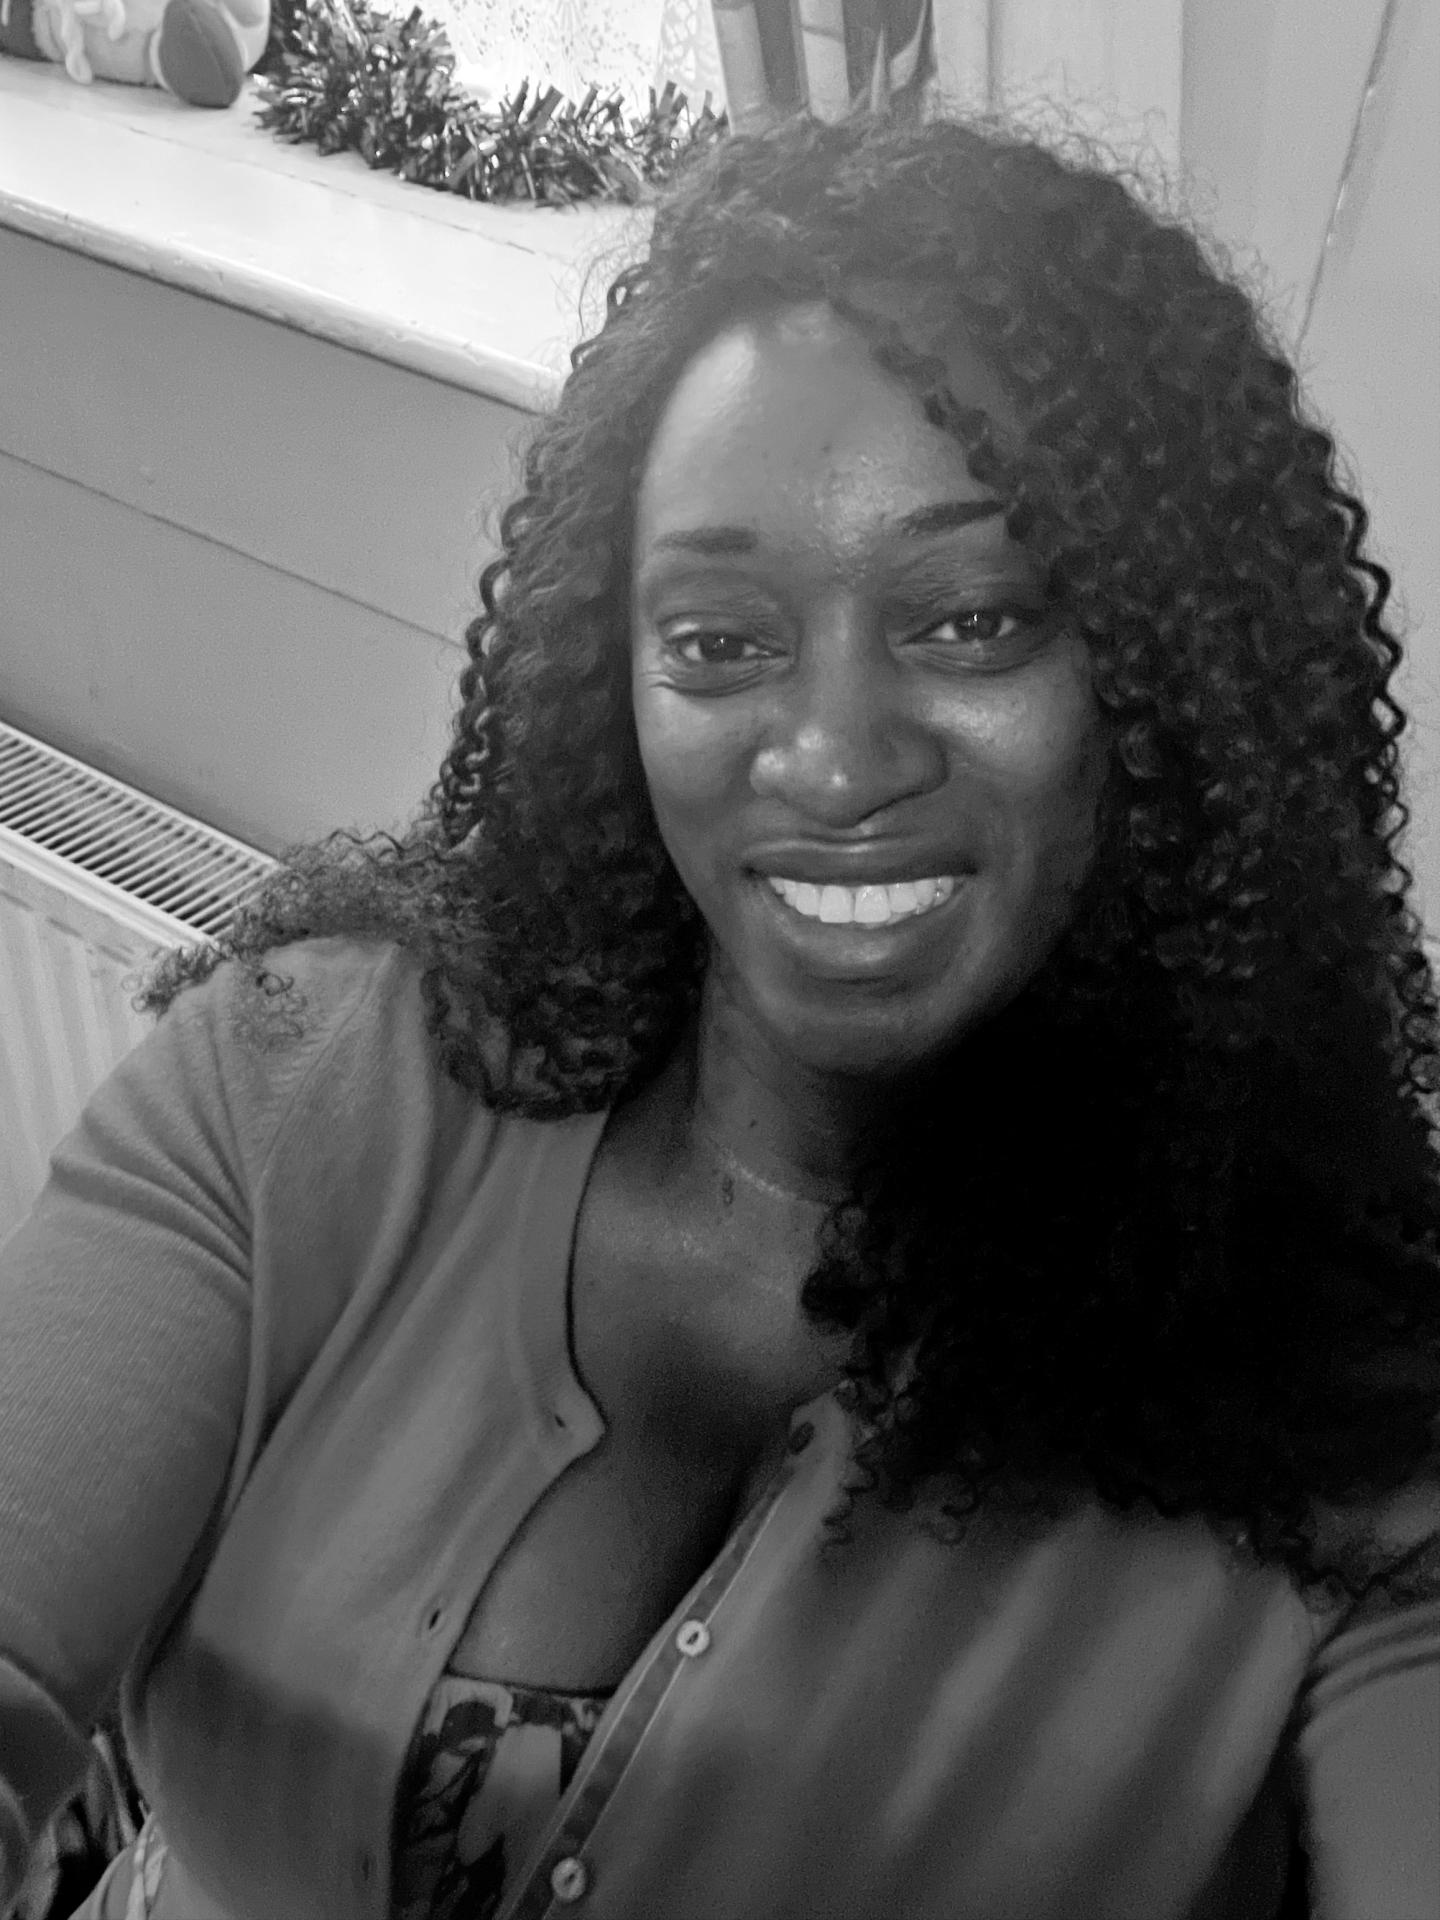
(284, 1365)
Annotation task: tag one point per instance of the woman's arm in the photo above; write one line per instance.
(124, 1356)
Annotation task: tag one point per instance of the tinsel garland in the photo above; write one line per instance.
(342, 75)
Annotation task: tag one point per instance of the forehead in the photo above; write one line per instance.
(791, 418)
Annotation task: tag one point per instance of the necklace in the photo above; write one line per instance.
(732, 1169)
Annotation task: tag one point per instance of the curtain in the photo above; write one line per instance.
(759, 58)
(621, 46)
(828, 57)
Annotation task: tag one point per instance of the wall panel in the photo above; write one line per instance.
(271, 707)
(1114, 65)
(329, 464)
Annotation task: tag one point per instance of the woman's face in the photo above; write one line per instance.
(872, 749)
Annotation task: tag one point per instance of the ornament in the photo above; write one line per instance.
(344, 76)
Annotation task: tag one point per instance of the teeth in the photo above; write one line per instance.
(873, 906)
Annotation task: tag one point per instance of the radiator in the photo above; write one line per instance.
(96, 879)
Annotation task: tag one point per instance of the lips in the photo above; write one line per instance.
(872, 864)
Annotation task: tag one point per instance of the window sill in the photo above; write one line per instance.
(486, 298)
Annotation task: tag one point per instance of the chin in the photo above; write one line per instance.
(867, 1043)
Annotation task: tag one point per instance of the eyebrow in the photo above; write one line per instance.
(943, 517)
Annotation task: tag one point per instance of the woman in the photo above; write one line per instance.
(818, 1298)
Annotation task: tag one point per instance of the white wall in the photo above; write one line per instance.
(1270, 93)
(1250, 107)
(235, 559)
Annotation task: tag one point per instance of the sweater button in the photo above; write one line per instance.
(693, 1638)
(569, 1880)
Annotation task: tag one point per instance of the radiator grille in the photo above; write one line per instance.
(96, 879)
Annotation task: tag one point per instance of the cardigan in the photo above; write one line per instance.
(284, 1365)
(488, 1764)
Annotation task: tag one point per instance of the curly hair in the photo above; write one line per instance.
(1166, 1229)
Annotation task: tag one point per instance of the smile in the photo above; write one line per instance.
(873, 906)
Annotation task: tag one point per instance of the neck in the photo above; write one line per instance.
(769, 1120)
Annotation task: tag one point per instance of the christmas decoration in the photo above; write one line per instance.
(343, 75)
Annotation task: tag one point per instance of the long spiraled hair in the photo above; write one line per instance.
(1166, 1227)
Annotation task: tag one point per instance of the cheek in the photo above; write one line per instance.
(1067, 787)
(1052, 764)
(694, 756)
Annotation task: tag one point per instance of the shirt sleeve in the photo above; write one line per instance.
(124, 1355)
(1369, 1745)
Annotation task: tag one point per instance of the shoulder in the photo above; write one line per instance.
(235, 1056)
(265, 1020)
(1395, 1537)
(204, 1092)
(340, 1025)
(306, 991)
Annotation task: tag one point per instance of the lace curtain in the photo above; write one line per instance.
(619, 45)
(756, 57)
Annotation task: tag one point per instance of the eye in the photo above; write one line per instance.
(711, 648)
(985, 624)
(987, 636)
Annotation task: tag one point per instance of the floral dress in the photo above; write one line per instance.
(486, 1769)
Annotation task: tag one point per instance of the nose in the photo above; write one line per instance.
(842, 740)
